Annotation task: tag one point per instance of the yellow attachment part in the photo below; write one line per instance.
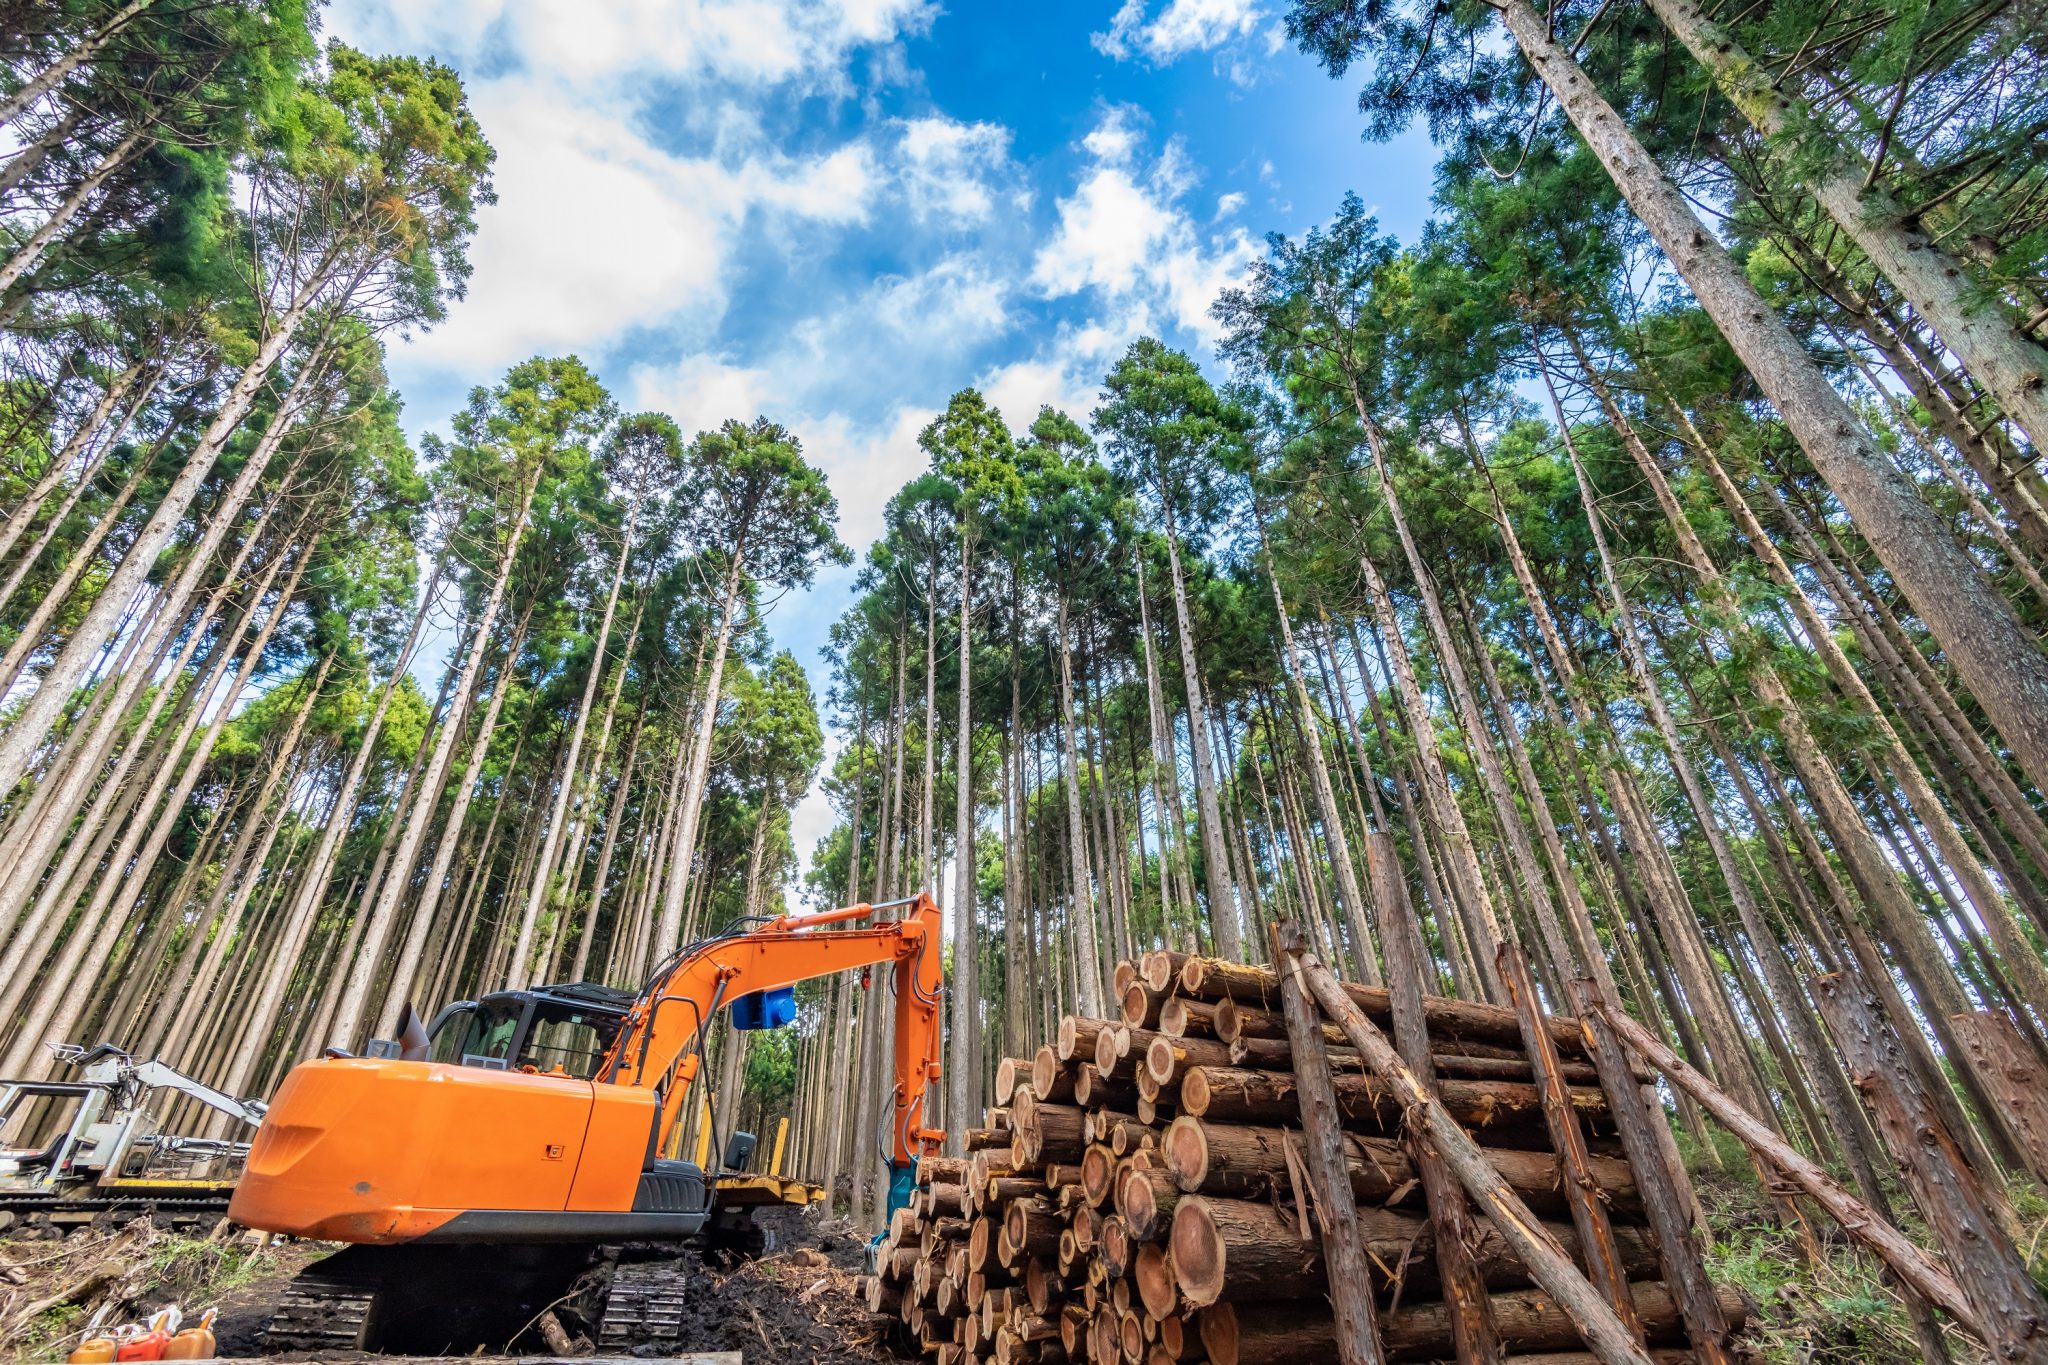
(781, 1140)
(704, 1130)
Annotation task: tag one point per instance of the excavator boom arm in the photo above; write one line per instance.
(659, 1048)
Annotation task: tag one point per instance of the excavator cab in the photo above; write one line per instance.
(563, 1030)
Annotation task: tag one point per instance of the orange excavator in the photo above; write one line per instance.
(520, 1156)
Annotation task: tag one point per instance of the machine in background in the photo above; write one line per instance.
(112, 1159)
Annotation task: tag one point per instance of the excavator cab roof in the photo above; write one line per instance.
(563, 1029)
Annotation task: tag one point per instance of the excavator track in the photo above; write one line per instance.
(319, 1314)
(646, 1302)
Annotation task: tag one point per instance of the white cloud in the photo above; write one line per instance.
(1115, 137)
(1125, 234)
(597, 231)
(701, 391)
(748, 42)
(1227, 204)
(1065, 380)
(1184, 26)
(949, 169)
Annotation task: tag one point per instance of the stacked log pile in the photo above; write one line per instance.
(1139, 1194)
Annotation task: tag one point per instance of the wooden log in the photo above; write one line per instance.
(1209, 1236)
(1052, 1079)
(1146, 1199)
(1213, 978)
(1115, 1246)
(1010, 1073)
(1299, 1333)
(1243, 1160)
(1597, 1251)
(1002, 1189)
(882, 1296)
(987, 1139)
(1130, 1335)
(1092, 1091)
(1548, 1263)
(936, 1170)
(1120, 1051)
(1033, 1227)
(1355, 1320)
(1074, 1321)
(942, 1199)
(1912, 1265)
(1274, 1054)
(1181, 1017)
(1167, 1058)
(1128, 1135)
(1233, 1094)
(1152, 1272)
(1098, 1174)
(1054, 1132)
(2012, 1072)
(1448, 1018)
(1122, 975)
(1161, 969)
(1663, 1185)
(1238, 1022)
(1180, 1336)
(1076, 1042)
(1967, 1219)
(981, 1243)
(1141, 1005)
(1044, 1286)
(1529, 1321)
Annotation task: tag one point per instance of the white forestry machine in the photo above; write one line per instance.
(111, 1160)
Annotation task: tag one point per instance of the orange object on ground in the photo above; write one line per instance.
(93, 1351)
(196, 1342)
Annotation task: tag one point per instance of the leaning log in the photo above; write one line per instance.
(1588, 1311)
(1528, 1320)
(1912, 1265)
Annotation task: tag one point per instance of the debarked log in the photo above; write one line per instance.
(1526, 1319)
(1232, 1250)
(1235, 1094)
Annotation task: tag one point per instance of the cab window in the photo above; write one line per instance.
(492, 1030)
(453, 1033)
(566, 1038)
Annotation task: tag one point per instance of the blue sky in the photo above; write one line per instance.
(838, 212)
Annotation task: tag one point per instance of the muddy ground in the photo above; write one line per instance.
(798, 1303)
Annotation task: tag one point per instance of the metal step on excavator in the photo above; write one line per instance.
(521, 1154)
(111, 1160)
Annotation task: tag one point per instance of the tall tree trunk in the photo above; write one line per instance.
(1328, 813)
(1997, 658)
(963, 1081)
(59, 71)
(381, 914)
(522, 947)
(39, 714)
(2010, 365)
(30, 251)
(1089, 996)
(1224, 916)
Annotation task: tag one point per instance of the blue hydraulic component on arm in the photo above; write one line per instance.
(902, 1184)
(902, 1181)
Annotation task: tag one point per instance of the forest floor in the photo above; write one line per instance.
(800, 1303)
